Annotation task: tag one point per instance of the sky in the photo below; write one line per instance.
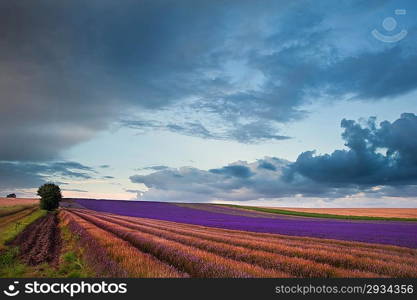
(273, 103)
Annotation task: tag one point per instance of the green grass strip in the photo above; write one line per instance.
(10, 267)
(71, 261)
(11, 231)
(10, 210)
(317, 215)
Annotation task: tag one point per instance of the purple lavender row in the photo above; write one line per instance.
(380, 232)
(95, 255)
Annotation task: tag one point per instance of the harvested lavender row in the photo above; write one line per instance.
(400, 266)
(291, 265)
(96, 255)
(194, 261)
(379, 232)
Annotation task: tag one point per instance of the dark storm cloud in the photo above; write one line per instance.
(21, 175)
(70, 69)
(301, 58)
(234, 171)
(266, 165)
(193, 184)
(63, 166)
(378, 75)
(240, 181)
(380, 161)
(14, 176)
(384, 155)
(305, 59)
(307, 70)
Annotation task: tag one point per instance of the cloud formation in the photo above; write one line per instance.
(211, 69)
(239, 181)
(380, 161)
(221, 70)
(24, 175)
(155, 168)
(250, 133)
(238, 171)
(384, 155)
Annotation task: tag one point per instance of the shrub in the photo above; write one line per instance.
(50, 196)
(13, 195)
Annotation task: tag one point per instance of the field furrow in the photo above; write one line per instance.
(402, 234)
(389, 253)
(293, 265)
(194, 261)
(385, 265)
(389, 265)
(7, 211)
(40, 241)
(14, 218)
(136, 263)
(294, 240)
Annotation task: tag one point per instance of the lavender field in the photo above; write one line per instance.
(378, 232)
(103, 238)
(143, 247)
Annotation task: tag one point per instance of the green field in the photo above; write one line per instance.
(317, 215)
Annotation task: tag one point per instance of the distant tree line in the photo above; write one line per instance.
(13, 195)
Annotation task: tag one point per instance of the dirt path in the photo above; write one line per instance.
(40, 242)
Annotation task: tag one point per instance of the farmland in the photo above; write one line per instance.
(15, 214)
(105, 238)
(31, 242)
(184, 250)
(7, 202)
(379, 232)
(369, 212)
(12, 207)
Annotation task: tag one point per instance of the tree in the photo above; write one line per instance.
(50, 196)
(13, 195)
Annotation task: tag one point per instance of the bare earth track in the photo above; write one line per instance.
(40, 242)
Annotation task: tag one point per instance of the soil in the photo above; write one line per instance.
(40, 242)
